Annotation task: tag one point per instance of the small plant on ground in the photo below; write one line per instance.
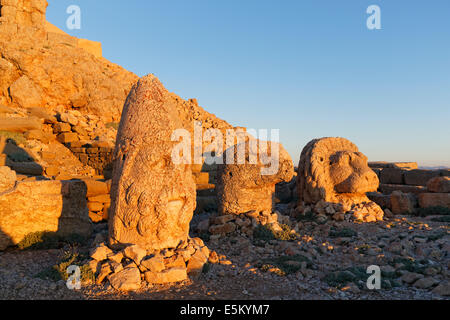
(206, 268)
(14, 137)
(359, 276)
(411, 265)
(363, 248)
(205, 236)
(441, 219)
(342, 233)
(285, 264)
(263, 233)
(59, 271)
(49, 240)
(266, 233)
(114, 125)
(432, 211)
(307, 217)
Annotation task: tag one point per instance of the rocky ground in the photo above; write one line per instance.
(326, 261)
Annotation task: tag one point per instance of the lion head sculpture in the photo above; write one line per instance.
(333, 170)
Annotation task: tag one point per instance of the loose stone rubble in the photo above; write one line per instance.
(128, 268)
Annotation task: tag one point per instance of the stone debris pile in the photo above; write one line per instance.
(131, 267)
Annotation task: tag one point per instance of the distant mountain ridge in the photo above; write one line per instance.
(433, 167)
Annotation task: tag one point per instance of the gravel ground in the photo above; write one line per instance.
(242, 275)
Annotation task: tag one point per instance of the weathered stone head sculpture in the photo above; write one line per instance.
(153, 199)
(250, 186)
(333, 170)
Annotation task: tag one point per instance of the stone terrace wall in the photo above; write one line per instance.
(97, 155)
(403, 187)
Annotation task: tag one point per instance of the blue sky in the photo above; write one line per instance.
(310, 68)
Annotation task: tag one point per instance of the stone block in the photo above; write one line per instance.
(389, 188)
(166, 276)
(201, 177)
(43, 206)
(67, 137)
(439, 184)
(392, 176)
(419, 177)
(434, 200)
(402, 203)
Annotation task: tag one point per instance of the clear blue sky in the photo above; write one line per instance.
(309, 68)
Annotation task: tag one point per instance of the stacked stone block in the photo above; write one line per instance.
(404, 187)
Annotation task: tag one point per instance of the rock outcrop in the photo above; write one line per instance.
(152, 199)
(43, 206)
(332, 170)
(48, 69)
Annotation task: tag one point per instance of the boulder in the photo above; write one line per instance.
(439, 184)
(152, 197)
(126, 280)
(392, 176)
(135, 253)
(154, 264)
(402, 203)
(43, 206)
(442, 289)
(25, 93)
(419, 177)
(196, 263)
(383, 200)
(95, 187)
(20, 124)
(434, 200)
(167, 276)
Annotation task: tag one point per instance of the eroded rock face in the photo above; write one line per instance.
(243, 187)
(333, 170)
(47, 206)
(153, 199)
(47, 69)
(7, 178)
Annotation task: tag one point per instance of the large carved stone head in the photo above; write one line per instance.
(153, 199)
(250, 185)
(333, 170)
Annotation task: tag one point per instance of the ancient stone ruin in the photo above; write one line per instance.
(404, 188)
(244, 187)
(69, 169)
(153, 199)
(245, 192)
(334, 176)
